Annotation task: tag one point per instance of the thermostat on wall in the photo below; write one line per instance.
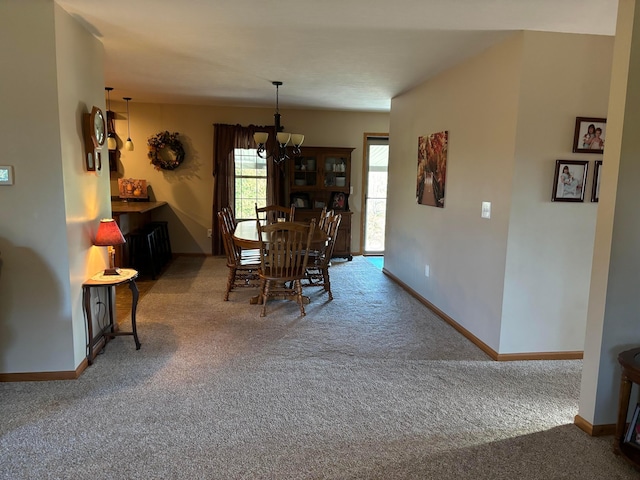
(6, 175)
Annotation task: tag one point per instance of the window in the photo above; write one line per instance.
(251, 183)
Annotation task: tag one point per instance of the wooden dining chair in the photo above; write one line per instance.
(243, 269)
(317, 272)
(273, 213)
(284, 248)
(230, 216)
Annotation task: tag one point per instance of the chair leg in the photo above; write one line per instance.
(327, 282)
(265, 295)
(298, 285)
(231, 278)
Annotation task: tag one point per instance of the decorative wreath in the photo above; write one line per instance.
(158, 143)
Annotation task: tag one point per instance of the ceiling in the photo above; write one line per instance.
(330, 54)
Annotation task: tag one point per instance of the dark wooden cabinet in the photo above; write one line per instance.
(321, 177)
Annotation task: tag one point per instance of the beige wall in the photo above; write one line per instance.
(550, 245)
(614, 302)
(477, 103)
(189, 188)
(48, 215)
(510, 113)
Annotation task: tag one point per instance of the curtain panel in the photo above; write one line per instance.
(226, 138)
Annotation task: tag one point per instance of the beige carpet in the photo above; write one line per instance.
(369, 386)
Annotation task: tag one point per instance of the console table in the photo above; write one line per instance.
(96, 343)
(630, 362)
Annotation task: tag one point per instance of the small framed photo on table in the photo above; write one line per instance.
(339, 201)
(589, 135)
(569, 181)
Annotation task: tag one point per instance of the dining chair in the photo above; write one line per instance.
(323, 218)
(274, 213)
(284, 248)
(243, 269)
(317, 272)
(230, 216)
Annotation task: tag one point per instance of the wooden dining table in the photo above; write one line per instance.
(246, 236)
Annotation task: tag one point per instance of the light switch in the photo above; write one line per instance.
(486, 210)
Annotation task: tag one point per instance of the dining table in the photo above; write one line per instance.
(247, 237)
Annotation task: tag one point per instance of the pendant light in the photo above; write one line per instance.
(112, 143)
(129, 144)
(282, 138)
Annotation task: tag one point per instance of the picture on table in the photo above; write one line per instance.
(338, 201)
(132, 188)
(589, 135)
(569, 181)
(595, 191)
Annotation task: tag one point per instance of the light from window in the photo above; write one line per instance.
(251, 183)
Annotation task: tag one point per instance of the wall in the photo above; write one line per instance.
(189, 188)
(466, 253)
(80, 79)
(39, 224)
(614, 302)
(550, 244)
(510, 113)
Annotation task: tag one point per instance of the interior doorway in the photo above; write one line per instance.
(375, 174)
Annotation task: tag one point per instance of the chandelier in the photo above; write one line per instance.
(282, 138)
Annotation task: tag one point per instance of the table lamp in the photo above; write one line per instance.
(109, 235)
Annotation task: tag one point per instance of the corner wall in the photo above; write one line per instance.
(45, 220)
(510, 113)
(477, 102)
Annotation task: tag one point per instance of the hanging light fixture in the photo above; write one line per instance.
(129, 144)
(282, 138)
(112, 143)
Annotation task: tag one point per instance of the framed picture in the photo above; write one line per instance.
(301, 200)
(132, 188)
(339, 201)
(589, 135)
(432, 168)
(568, 181)
(633, 432)
(595, 190)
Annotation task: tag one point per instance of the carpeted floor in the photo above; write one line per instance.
(370, 386)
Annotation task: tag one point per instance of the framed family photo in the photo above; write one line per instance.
(589, 135)
(569, 180)
(595, 190)
(338, 201)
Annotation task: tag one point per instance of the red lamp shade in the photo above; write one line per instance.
(108, 234)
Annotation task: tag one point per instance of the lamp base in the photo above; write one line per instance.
(111, 271)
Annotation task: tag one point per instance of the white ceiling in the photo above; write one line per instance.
(336, 54)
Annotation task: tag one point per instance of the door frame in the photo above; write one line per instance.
(365, 179)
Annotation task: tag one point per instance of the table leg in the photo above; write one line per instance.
(87, 310)
(134, 306)
(623, 407)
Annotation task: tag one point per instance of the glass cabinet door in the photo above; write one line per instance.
(335, 172)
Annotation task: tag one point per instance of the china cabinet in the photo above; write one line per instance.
(321, 177)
